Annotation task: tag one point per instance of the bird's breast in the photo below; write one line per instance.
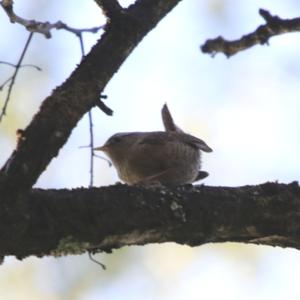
(179, 162)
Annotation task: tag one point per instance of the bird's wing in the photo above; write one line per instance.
(195, 142)
(156, 138)
(160, 138)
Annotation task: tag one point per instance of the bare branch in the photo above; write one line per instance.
(12, 79)
(274, 26)
(91, 129)
(7, 63)
(91, 146)
(21, 66)
(5, 83)
(100, 104)
(61, 222)
(104, 107)
(42, 27)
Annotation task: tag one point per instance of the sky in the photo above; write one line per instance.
(246, 108)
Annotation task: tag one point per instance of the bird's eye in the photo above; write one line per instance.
(116, 139)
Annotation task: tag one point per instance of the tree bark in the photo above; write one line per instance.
(60, 222)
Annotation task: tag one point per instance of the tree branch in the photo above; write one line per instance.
(274, 26)
(111, 8)
(60, 112)
(60, 222)
(41, 27)
(12, 79)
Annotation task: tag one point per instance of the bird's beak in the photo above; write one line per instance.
(103, 148)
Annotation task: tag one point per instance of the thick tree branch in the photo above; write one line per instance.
(274, 26)
(60, 222)
(60, 112)
(111, 8)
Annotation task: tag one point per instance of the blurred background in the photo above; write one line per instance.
(246, 108)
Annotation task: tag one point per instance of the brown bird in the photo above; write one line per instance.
(169, 157)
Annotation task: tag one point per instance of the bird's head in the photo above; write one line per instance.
(118, 145)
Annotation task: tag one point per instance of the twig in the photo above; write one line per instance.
(21, 66)
(15, 66)
(103, 106)
(105, 109)
(104, 158)
(91, 148)
(12, 79)
(109, 112)
(98, 156)
(42, 27)
(7, 63)
(91, 145)
(96, 261)
(31, 66)
(274, 26)
(5, 83)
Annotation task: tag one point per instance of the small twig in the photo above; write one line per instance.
(82, 147)
(5, 83)
(21, 66)
(104, 158)
(31, 66)
(91, 148)
(98, 156)
(42, 27)
(103, 106)
(108, 111)
(81, 44)
(274, 26)
(7, 63)
(91, 145)
(96, 261)
(15, 66)
(12, 79)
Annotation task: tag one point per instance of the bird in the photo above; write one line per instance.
(171, 157)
